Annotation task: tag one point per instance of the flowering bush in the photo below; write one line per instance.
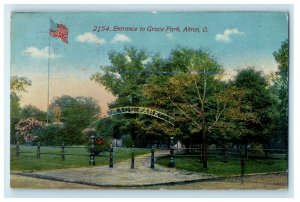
(27, 128)
(101, 143)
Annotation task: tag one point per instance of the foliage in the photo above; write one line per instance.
(127, 141)
(205, 104)
(76, 114)
(27, 129)
(258, 95)
(14, 115)
(189, 86)
(230, 111)
(30, 111)
(17, 84)
(101, 142)
(281, 89)
(282, 58)
(125, 78)
(50, 135)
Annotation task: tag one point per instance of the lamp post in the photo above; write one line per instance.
(172, 160)
(38, 155)
(152, 157)
(132, 157)
(111, 165)
(62, 151)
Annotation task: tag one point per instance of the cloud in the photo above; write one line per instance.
(170, 36)
(128, 58)
(39, 53)
(229, 74)
(144, 62)
(120, 38)
(225, 37)
(90, 38)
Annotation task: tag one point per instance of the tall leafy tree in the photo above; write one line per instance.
(17, 85)
(30, 111)
(196, 91)
(77, 113)
(125, 78)
(282, 88)
(258, 95)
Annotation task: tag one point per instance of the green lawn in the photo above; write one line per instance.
(29, 162)
(233, 167)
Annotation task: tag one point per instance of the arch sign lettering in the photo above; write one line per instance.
(141, 110)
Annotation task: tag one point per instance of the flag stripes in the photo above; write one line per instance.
(58, 31)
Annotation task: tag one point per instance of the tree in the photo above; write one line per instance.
(17, 85)
(77, 113)
(125, 78)
(195, 89)
(281, 89)
(30, 111)
(258, 95)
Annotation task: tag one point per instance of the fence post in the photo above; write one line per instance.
(172, 160)
(152, 157)
(62, 151)
(111, 165)
(225, 153)
(246, 152)
(132, 158)
(17, 149)
(92, 154)
(243, 168)
(38, 151)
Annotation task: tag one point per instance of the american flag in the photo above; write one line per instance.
(58, 31)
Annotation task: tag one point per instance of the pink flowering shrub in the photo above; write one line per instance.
(27, 128)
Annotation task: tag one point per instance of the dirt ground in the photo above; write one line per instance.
(269, 182)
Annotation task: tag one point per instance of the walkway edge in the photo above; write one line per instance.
(142, 185)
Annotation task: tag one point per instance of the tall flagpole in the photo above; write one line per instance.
(48, 74)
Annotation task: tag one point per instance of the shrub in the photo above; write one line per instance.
(27, 129)
(101, 143)
(127, 141)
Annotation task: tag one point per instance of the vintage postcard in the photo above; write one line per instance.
(149, 100)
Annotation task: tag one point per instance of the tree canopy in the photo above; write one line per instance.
(77, 113)
(281, 89)
(17, 85)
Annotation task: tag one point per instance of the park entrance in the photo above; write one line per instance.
(139, 110)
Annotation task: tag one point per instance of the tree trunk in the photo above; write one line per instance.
(204, 148)
(204, 140)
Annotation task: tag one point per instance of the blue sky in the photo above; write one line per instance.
(236, 39)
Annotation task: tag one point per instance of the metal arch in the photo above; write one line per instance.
(139, 110)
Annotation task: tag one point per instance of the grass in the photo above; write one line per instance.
(217, 167)
(28, 161)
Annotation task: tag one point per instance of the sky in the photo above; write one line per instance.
(236, 39)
